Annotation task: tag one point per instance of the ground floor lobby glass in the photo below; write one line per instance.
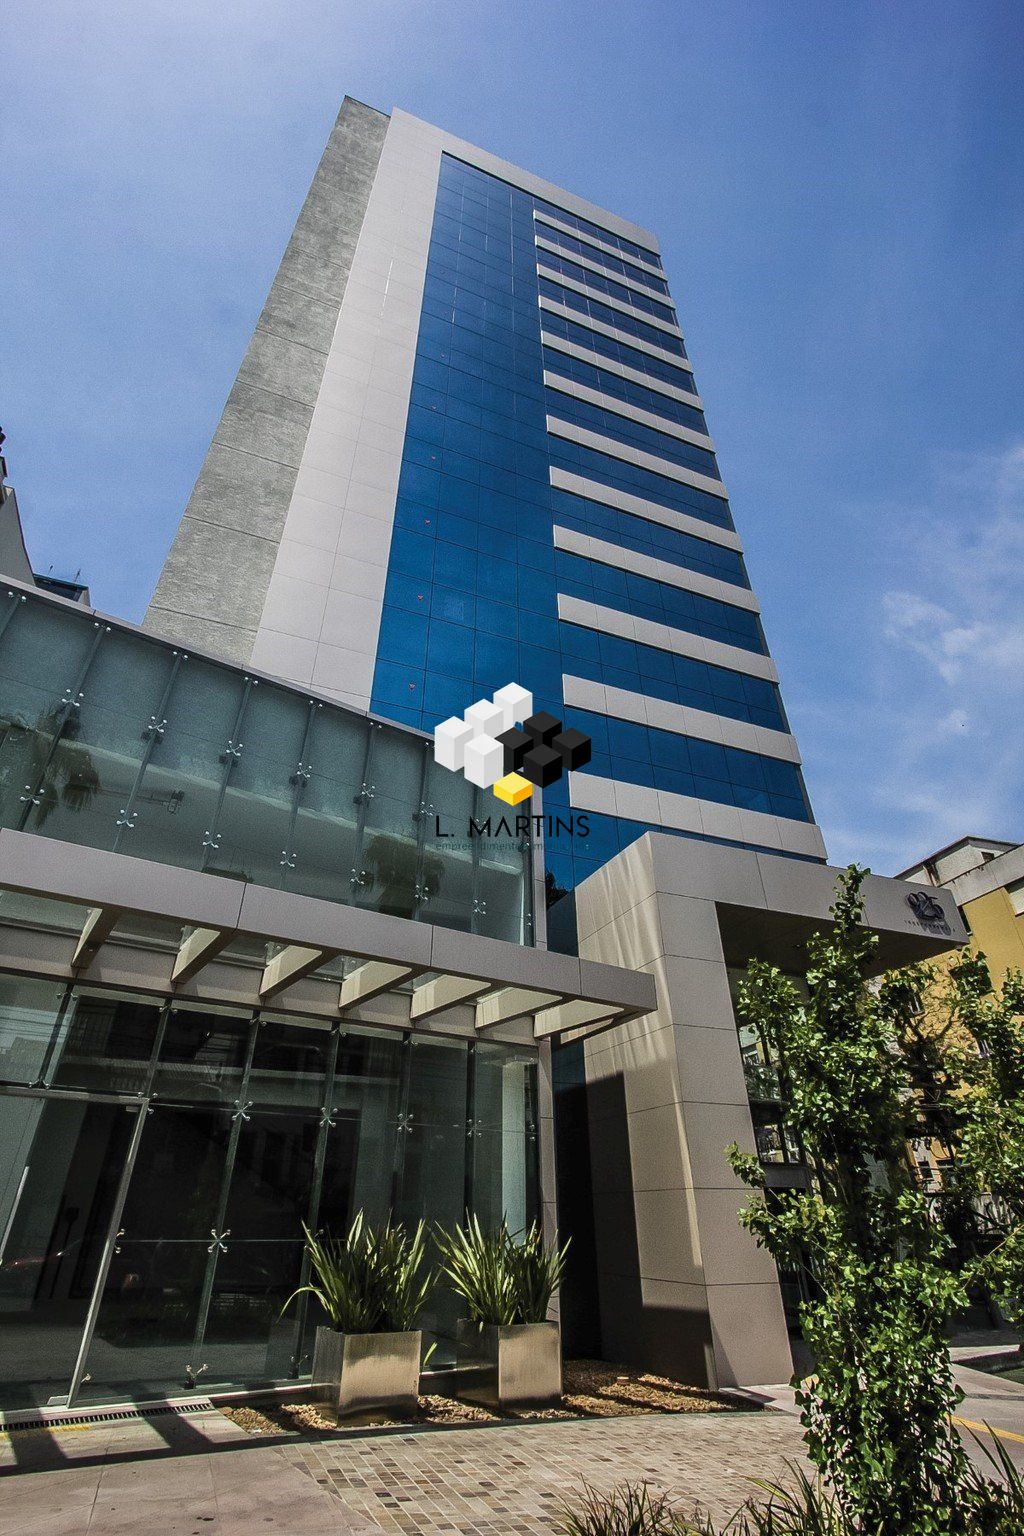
(157, 1163)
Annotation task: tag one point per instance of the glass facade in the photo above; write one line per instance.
(158, 1160)
(471, 601)
(117, 740)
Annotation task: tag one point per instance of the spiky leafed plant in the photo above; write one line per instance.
(537, 1272)
(502, 1281)
(395, 1258)
(629, 1509)
(798, 1506)
(371, 1280)
(476, 1264)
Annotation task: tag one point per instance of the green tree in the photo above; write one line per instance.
(990, 1109)
(877, 1412)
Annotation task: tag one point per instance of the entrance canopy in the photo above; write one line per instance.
(154, 927)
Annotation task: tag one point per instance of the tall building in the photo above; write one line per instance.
(466, 447)
(265, 960)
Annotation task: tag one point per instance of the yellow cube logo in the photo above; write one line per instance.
(513, 789)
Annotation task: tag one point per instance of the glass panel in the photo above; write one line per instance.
(391, 859)
(324, 837)
(143, 1341)
(106, 1044)
(93, 769)
(202, 1057)
(505, 1175)
(433, 1179)
(28, 1013)
(288, 1065)
(42, 653)
(447, 857)
(361, 1147)
(433, 1182)
(500, 878)
(180, 790)
(60, 1163)
(254, 826)
(259, 1266)
(247, 1340)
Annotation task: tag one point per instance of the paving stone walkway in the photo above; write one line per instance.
(479, 1483)
(203, 1476)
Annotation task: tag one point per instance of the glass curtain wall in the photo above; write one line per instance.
(158, 1161)
(474, 576)
(118, 741)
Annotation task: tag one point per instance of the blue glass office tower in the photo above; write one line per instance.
(502, 473)
(464, 449)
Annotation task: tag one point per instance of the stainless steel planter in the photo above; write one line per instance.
(360, 1373)
(510, 1367)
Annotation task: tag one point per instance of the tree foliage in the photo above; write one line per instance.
(990, 1114)
(877, 1412)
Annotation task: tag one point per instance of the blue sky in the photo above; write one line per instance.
(838, 193)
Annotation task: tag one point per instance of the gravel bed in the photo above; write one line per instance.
(593, 1390)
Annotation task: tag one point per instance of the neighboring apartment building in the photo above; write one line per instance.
(986, 879)
(259, 964)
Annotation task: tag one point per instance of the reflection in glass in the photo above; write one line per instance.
(203, 1056)
(253, 1130)
(60, 1162)
(28, 1013)
(116, 740)
(106, 1044)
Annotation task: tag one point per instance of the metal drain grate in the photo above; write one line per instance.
(106, 1416)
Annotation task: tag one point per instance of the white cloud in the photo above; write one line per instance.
(931, 744)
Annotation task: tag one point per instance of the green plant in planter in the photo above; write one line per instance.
(371, 1280)
(502, 1280)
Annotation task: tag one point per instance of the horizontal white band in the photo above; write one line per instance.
(585, 545)
(600, 245)
(684, 813)
(668, 326)
(612, 365)
(630, 626)
(599, 270)
(652, 511)
(578, 317)
(679, 719)
(611, 445)
(629, 412)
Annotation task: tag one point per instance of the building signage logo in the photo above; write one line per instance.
(500, 744)
(928, 911)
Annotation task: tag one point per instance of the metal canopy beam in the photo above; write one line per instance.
(370, 980)
(96, 930)
(575, 1014)
(201, 946)
(444, 992)
(511, 1003)
(590, 1031)
(291, 964)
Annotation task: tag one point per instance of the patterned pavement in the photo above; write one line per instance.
(478, 1482)
(200, 1475)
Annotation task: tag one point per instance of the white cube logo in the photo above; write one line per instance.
(516, 702)
(484, 761)
(450, 741)
(487, 719)
(469, 744)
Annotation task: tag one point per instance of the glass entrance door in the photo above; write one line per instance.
(61, 1162)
